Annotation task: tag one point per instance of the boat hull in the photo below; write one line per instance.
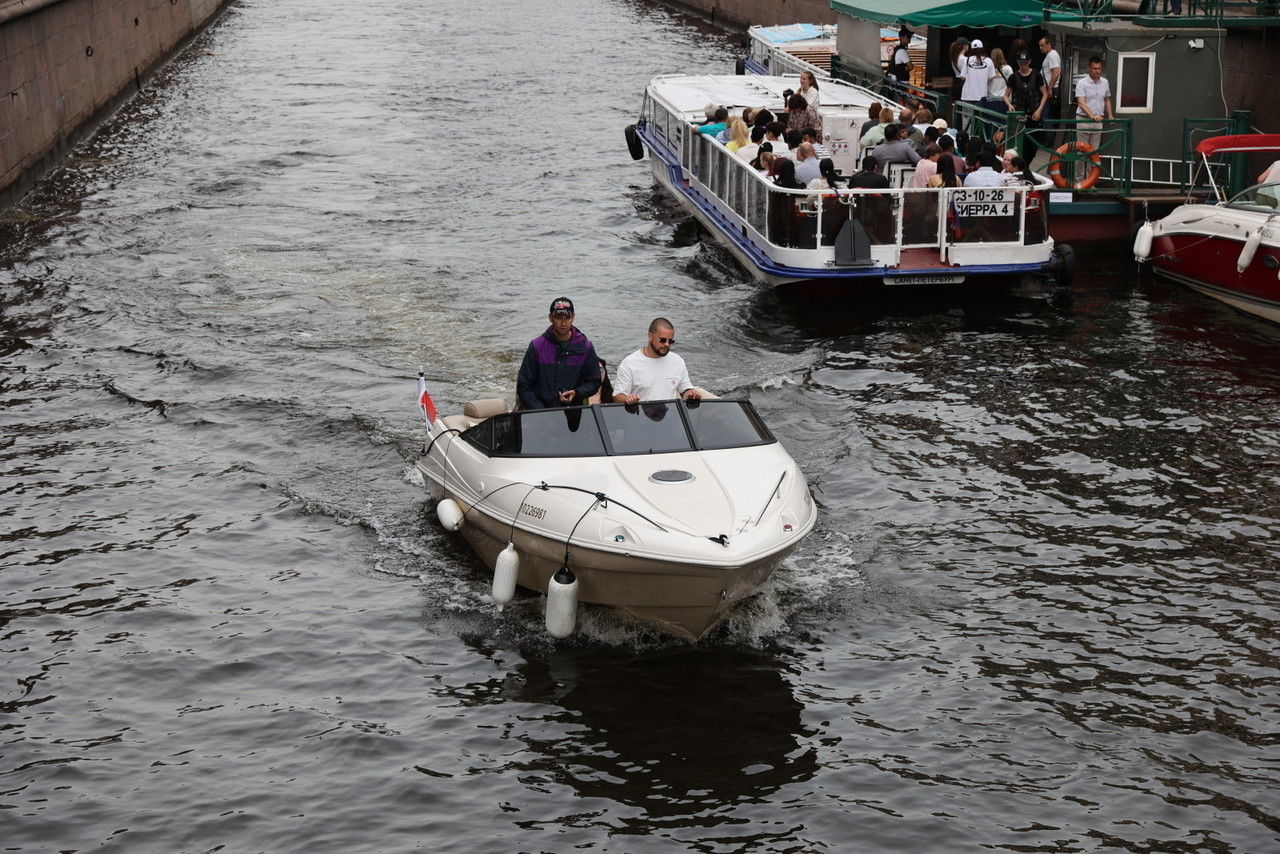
(687, 600)
(1206, 262)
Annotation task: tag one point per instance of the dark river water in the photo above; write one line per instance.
(1040, 610)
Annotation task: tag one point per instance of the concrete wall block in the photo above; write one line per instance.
(51, 92)
(20, 35)
(10, 147)
(9, 77)
(16, 105)
(22, 70)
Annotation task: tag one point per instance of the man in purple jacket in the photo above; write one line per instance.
(560, 367)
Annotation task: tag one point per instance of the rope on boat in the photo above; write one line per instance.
(599, 498)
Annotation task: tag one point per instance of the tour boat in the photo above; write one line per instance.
(674, 511)
(789, 49)
(792, 48)
(1229, 250)
(870, 238)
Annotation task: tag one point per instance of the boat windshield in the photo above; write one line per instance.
(652, 427)
(1261, 197)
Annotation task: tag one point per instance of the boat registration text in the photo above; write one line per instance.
(532, 511)
(936, 279)
(984, 201)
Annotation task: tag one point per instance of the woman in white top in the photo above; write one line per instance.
(809, 88)
(997, 85)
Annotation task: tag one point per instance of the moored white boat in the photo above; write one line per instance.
(898, 236)
(1229, 250)
(674, 511)
(791, 48)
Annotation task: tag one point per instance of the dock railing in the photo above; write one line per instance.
(890, 88)
(1168, 13)
(995, 126)
(782, 64)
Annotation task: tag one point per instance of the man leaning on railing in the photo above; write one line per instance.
(1093, 102)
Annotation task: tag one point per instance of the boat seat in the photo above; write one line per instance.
(474, 412)
(484, 408)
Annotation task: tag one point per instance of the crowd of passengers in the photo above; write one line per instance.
(788, 151)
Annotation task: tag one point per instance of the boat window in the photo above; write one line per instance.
(1259, 197)
(652, 427)
(481, 435)
(568, 432)
(725, 424)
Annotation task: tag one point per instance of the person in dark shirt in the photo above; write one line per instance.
(560, 368)
(869, 177)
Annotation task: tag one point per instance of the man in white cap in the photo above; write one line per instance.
(977, 71)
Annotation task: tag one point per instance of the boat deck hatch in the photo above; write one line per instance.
(671, 476)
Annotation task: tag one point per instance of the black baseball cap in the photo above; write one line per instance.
(1022, 56)
(561, 305)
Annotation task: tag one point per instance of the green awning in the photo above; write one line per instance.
(947, 13)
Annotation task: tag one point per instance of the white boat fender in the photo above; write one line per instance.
(1250, 249)
(1142, 242)
(450, 514)
(505, 570)
(562, 603)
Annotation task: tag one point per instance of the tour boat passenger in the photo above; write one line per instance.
(809, 89)
(801, 115)
(751, 150)
(719, 122)
(810, 135)
(807, 167)
(896, 148)
(927, 167)
(738, 135)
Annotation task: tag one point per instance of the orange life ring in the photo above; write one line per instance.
(1095, 160)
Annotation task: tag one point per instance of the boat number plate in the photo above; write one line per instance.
(984, 201)
(924, 280)
(532, 511)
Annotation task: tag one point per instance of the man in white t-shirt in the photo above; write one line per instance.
(653, 372)
(977, 71)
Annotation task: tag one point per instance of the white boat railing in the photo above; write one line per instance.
(783, 64)
(906, 218)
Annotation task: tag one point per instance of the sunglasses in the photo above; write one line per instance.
(662, 340)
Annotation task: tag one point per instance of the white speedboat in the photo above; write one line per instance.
(673, 511)
(848, 238)
(1229, 250)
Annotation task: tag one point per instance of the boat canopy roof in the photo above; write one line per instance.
(949, 13)
(787, 33)
(650, 427)
(1239, 142)
(689, 94)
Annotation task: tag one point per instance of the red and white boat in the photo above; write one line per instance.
(1229, 250)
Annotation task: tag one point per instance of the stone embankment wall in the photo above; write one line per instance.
(66, 64)
(766, 12)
